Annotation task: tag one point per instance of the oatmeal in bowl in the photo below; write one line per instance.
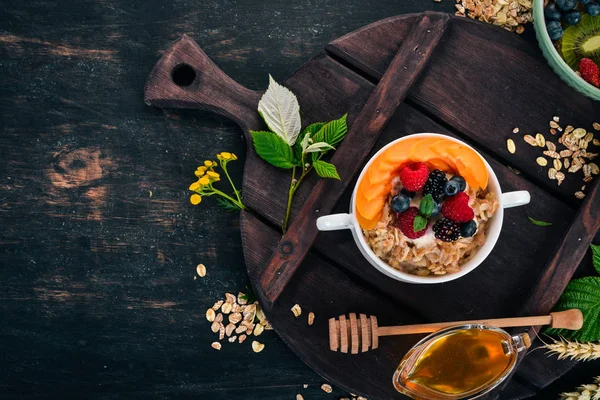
(427, 208)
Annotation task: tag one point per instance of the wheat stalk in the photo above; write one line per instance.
(576, 351)
(584, 392)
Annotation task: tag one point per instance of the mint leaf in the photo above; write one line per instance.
(584, 294)
(273, 149)
(332, 132)
(419, 223)
(539, 223)
(426, 206)
(326, 170)
(596, 256)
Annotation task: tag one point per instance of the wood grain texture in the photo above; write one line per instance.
(351, 154)
(97, 268)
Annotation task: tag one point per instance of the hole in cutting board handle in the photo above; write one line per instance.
(183, 75)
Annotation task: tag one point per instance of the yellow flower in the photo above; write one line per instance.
(200, 171)
(213, 174)
(224, 156)
(210, 164)
(205, 180)
(195, 199)
(194, 186)
(233, 156)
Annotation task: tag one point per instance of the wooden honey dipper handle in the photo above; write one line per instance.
(361, 333)
(570, 319)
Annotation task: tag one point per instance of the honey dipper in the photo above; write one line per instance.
(363, 332)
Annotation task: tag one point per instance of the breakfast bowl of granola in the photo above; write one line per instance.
(427, 208)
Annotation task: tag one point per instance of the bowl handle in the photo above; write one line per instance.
(334, 222)
(515, 199)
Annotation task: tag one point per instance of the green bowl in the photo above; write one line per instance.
(554, 59)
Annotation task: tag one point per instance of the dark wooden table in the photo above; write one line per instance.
(99, 243)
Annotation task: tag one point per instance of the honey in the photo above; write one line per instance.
(460, 362)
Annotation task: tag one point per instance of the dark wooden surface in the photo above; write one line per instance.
(100, 244)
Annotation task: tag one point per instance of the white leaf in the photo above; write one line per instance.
(320, 146)
(280, 109)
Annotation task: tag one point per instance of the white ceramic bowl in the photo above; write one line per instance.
(349, 221)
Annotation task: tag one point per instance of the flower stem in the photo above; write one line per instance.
(234, 201)
(237, 194)
(293, 187)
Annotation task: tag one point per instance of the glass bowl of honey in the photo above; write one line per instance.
(460, 362)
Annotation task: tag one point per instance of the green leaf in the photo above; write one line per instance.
(326, 170)
(596, 256)
(310, 131)
(227, 205)
(280, 109)
(539, 223)
(332, 132)
(584, 294)
(419, 223)
(426, 206)
(250, 297)
(273, 149)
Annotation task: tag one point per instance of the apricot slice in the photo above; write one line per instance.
(439, 149)
(377, 177)
(422, 151)
(367, 223)
(398, 153)
(438, 163)
(473, 162)
(369, 209)
(371, 192)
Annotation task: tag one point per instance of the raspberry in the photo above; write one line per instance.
(413, 176)
(446, 230)
(405, 223)
(456, 208)
(435, 185)
(589, 71)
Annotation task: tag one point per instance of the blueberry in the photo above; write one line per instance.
(555, 30)
(462, 184)
(408, 193)
(436, 208)
(566, 5)
(451, 188)
(593, 9)
(572, 17)
(468, 229)
(400, 203)
(552, 13)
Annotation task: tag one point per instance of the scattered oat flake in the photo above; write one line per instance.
(550, 146)
(229, 298)
(579, 133)
(242, 299)
(226, 308)
(242, 338)
(311, 318)
(216, 345)
(553, 124)
(541, 161)
(530, 140)
(210, 315)
(596, 126)
(201, 270)
(258, 329)
(516, 130)
(326, 388)
(217, 305)
(553, 131)
(510, 145)
(257, 347)
(540, 140)
(552, 173)
(594, 168)
(579, 195)
(297, 310)
(299, 397)
(557, 164)
(556, 119)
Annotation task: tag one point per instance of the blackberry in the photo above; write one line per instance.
(446, 230)
(435, 185)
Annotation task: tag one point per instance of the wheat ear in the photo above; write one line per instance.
(584, 392)
(574, 350)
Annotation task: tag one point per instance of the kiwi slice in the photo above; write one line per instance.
(582, 40)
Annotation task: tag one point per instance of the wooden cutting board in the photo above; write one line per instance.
(477, 82)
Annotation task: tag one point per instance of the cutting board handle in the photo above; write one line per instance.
(185, 77)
